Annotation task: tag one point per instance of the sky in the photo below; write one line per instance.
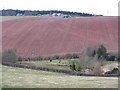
(104, 7)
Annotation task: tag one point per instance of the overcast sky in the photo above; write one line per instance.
(104, 7)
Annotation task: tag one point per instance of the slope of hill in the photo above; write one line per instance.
(51, 36)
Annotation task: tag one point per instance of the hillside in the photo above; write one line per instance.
(51, 36)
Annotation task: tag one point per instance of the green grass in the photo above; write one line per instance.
(55, 64)
(22, 78)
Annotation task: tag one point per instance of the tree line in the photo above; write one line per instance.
(11, 12)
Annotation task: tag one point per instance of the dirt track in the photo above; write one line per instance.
(49, 36)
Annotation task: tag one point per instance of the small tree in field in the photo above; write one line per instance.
(101, 51)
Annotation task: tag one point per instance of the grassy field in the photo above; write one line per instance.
(55, 64)
(21, 78)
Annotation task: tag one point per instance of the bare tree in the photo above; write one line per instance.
(9, 56)
(89, 59)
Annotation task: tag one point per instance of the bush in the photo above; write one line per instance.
(9, 56)
(77, 66)
(111, 58)
(74, 65)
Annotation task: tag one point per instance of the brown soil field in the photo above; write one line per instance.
(54, 36)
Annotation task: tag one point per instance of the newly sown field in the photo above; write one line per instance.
(17, 77)
(46, 36)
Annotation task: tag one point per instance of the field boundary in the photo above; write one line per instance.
(69, 72)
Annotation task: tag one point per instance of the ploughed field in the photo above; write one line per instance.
(38, 36)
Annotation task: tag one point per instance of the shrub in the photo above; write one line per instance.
(9, 56)
(74, 65)
(111, 58)
(77, 66)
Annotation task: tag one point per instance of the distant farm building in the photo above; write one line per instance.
(19, 14)
(56, 14)
(60, 15)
